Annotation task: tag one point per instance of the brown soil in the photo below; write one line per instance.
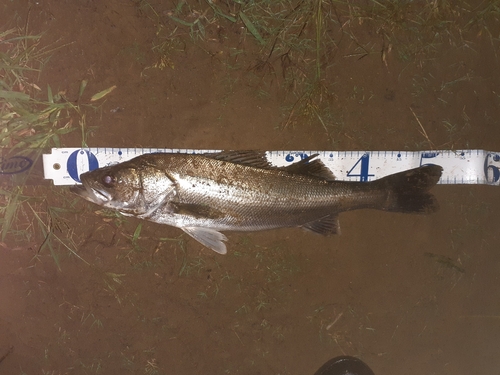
(407, 294)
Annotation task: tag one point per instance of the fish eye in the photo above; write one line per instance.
(108, 180)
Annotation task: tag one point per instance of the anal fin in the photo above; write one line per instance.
(326, 225)
(208, 237)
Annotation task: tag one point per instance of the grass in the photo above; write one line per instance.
(32, 118)
(90, 320)
(294, 43)
(299, 44)
(276, 263)
(284, 33)
(26, 120)
(50, 224)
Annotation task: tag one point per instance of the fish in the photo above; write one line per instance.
(206, 194)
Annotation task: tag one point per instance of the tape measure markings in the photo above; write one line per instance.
(64, 165)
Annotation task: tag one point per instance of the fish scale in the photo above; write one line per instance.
(241, 191)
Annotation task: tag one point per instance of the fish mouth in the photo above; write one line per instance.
(91, 194)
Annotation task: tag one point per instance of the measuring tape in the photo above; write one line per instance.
(64, 165)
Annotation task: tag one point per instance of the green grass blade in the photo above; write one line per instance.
(102, 93)
(253, 30)
(14, 95)
(10, 213)
(178, 20)
(137, 233)
(83, 84)
(218, 12)
(49, 94)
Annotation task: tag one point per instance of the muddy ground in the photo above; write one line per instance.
(406, 294)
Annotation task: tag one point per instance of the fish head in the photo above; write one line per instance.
(127, 188)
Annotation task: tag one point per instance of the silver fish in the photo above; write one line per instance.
(241, 191)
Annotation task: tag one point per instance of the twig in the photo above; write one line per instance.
(11, 349)
(423, 132)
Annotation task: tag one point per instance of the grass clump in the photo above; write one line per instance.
(32, 120)
(301, 45)
(25, 120)
(287, 41)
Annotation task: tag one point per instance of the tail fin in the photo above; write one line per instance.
(408, 190)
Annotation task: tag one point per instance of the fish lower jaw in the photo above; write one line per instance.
(101, 196)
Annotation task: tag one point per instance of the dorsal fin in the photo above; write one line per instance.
(258, 159)
(311, 168)
(250, 158)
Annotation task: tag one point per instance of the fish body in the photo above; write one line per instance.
(240, 190)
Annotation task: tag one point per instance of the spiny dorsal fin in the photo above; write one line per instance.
(311, 168)
(258, 159)
(249, 158)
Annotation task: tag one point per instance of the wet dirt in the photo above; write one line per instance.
(406, 294)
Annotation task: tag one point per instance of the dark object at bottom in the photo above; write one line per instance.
(344, 365)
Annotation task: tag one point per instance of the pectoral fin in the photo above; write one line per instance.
(208, 237)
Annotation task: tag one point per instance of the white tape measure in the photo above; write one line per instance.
(64, 165)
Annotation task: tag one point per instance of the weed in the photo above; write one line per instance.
(242, 310)
(151, 367)
(94, 367)
(112, 281)
(30, 123)
(278, 263)
(202, 295)
(194, 265)
(128, 363)
(261, 304)
(91, 318)
(445, 262)
(111, 216)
